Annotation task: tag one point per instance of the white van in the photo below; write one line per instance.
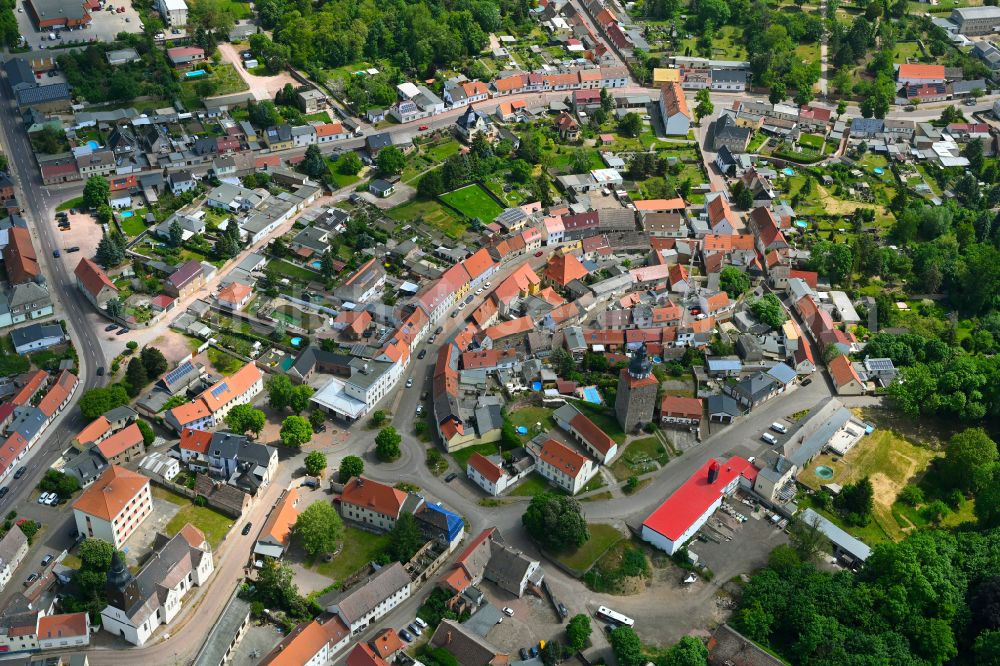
(777, 427)
(769, 438)
(423, 625)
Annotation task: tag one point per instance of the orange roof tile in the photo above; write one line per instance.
(92, 277)
(57, 393)
(94, 430)
(674, 405)
(490, 470)
(190, 412)
(373, 495)
(908, 71)
(478, 263)
(673, 99)
(194, 537)
(364, 655)
(121, 441)
(232, 386)
(660, 205)
(279, 524)
(195, 440)
(234, 292)
(329, 129)
(387, 642)
(564, 268)
(593, 434)
(563, 458)
(842, 371)
(507, 328)
(31, 385)
(111, 493)
(63, 625)
(305, 641)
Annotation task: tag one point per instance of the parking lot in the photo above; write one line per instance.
(104, 26)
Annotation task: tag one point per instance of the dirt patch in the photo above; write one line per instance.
(836, 206)
(885, 488)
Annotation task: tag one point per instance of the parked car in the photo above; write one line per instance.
(53, 499)
(46, 560)
(405, 635)
(100, 371)
(525, 654)
(423, 353)
(246, 529)
(539, 253)
(438, 330)
(414, 629)
(21, 471)
(423, 128)
(43, 498)
(451, 477)
(807, 381)
(486, 284)
(110, 327)
(123, 329)
(4, 491)
(75, 248)
(777, 427)
(31, 579)
(409, 382)
(769, 438)
(420, 623)
(534, 651)
(563, 611)
(56, 253)
(508, 611)
(420, 410)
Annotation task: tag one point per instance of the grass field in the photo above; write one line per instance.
(132, 226)
(214, 525)
(292, 271)
(533, 484)
(637, 458)
(473, 202)
(890, 461)
(360, 548)
(432, 213)
(529, 416)
(602, 537)
(222, 362)
(225, 77)
(72, 203)
(814, 141)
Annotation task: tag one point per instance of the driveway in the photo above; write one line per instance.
(262, 87)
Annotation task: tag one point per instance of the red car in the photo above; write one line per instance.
(539, 253)
(423, 128)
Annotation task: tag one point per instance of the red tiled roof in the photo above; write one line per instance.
(111, 493)
(842, 371)
(673, 405)
(121, 441)
(373, 495)
(484, 466)
(195, 440)
(564, 268)
(563, 458)
(594, 436)
(92, 277)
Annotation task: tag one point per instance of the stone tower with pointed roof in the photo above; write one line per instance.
(121, 587)
(636, 397)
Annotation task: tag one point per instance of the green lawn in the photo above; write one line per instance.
(529, 416)
(638, 457)
(814, 141)
(533, 484)
(359, 549)
(595, 483)
(432, 213)
(214, 524)
(439, 152)
(472, 201)
(603, 418)
(132, 226)
(72, 203)
(292, 271)
(164, 494)
(602, 537)
(223, 362)
(342, 179)
(224, 77)
(462, 455)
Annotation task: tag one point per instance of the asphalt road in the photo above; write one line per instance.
(39, 207)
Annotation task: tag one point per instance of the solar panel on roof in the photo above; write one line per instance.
(220, 389)
(178, 372)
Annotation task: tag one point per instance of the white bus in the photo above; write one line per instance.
(614, 617)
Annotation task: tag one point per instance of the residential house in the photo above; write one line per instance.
(36, 337)
(845, 377)
(563, 466)
(368, 600)
(185, 280)
(276, 535)
(211, 406)
(139, 604)
(95, 284)
(678, 410)
(234, 296)
(375, 505)
(114, 506)
(488, 557)
(674, 110)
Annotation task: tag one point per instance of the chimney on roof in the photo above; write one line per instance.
(713, 472)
